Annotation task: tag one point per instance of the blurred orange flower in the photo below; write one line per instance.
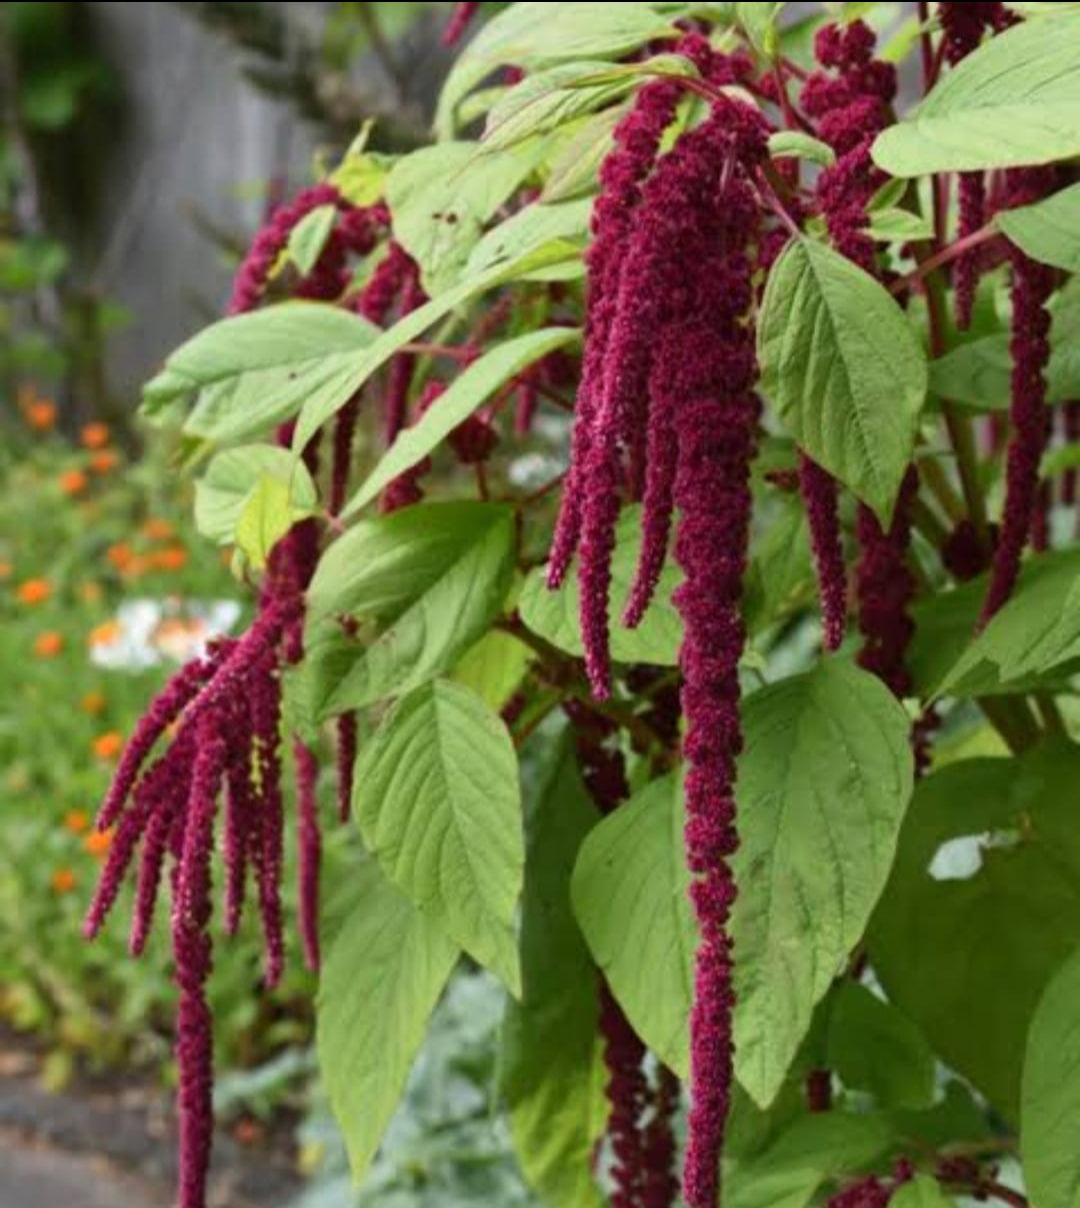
(104, 634)
(6, 569)
(138, 564)
(120, 555)
(76, 821)
(108, 745)
(63, 880)
(40, 415)
(95, 436)
(93, 703)
(104, 461)
(157, 529)
(48, 645)
(34, 591)
(72, 482)
(173, 558)
(97, 843)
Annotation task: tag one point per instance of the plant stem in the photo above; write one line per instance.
(944, 256)
(1049, 714)
(927, 521)
(942, 489)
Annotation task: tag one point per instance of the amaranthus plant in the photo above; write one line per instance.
(681, 427)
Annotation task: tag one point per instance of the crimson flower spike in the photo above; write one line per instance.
(637, 140)
(459, 21)
(819, 494)
(192, 954)
(308, 838)
(1030, 348)
(963, 27)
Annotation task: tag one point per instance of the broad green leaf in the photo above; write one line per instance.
(822, 786)
(982, 907)
(437, 798)
(1036, 631)
(530, 228)
(291, 338)
(781, 578)
(874, 1047)
(430, 578)
(574, 166)
(1050, 1094)
(551, 98)
(321, 407)
(630, 893)
(553, 615)
(552, 1080)
(759, 23)
(468, 390)
(308, 238)
(956, 1114)
(494, 668)
(811, 1150)
(442, 197)
(361, 176)
(380, 980)
(265, 517)
(817, 840)
(1015, 101)
(923, 1191)
(1049, 230)
(842, 368)
(222, 494)
(898, 226)
(794, 144)
(531, 34)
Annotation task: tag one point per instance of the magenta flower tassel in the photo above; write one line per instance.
(192, 954)
(310, 845)
(266, 858)
(819, 494)
(660, 1187)
(163, 711)
(458, 23)
(1070, 414)
(626, 1091)
(346, 759)
(1032, 285)
(239, 811)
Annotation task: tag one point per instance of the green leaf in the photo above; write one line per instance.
(494, 668)
(380, 980)
(574, 166)
(308, 238)
(630, 893)
(255, 370)
(431, 578)
(553, 615)
(1050, 1096)
(529, 229)
(321, 406)
(442, 197)
(923, 1191)
(223, 493)
(551, 1077)
(1015, 101)
(822, 786)
(468, 390)
(812, 1149)
(781, 578)
(551, 98)
(437, 799)
(843, 369)
(874, 1047)
(1049, 230)
(795, 144)
(759, 23)
(982, 907)
(531, 34)
(265, 517)
(1037, 631)
(898, 226)
(817, 839)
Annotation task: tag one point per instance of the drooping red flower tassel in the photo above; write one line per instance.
(963, 27)
(819, 494)
(660, 1186)
(459, 21)
(1030, 347)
